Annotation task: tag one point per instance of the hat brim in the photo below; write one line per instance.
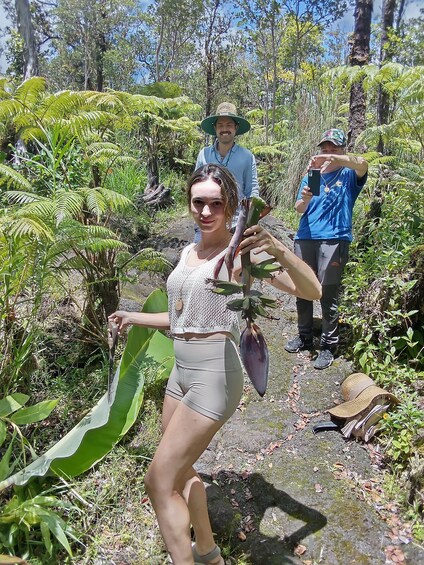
(208, 124)
(361, 402)
(331, 140)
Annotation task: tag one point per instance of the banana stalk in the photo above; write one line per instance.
(253, 347)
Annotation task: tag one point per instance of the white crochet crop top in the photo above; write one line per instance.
(203, 311)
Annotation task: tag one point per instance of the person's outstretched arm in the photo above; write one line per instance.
(331, 162)
(297, 278)
(156, 321)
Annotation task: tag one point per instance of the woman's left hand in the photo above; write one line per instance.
(257, 239)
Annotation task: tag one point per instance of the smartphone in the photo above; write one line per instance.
(314, 181)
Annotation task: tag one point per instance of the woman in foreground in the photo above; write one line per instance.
(206, 383)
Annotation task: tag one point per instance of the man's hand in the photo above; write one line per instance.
(329, 162)
(303, 203)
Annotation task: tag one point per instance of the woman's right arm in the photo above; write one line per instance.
(156, 321)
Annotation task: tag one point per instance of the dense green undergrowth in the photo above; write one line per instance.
(70, 234)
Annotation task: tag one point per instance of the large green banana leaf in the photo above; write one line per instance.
(92, 438)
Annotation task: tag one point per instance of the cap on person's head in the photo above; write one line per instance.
(225, 109)
(335, 136)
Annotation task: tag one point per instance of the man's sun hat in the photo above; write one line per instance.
(225, 109)
(360, 392)
(335, 136)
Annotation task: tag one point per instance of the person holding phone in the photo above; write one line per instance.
(324, 236)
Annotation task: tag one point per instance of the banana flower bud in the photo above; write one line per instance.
(255, 357)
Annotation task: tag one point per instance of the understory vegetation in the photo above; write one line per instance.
(75, 231)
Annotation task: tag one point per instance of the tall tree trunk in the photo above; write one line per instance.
(209, 85)
(210, 56)
(388, 15)
(266, 107)
(26, 31)
(274, 79)
(400, 13)
(101, 49)
(359, 55)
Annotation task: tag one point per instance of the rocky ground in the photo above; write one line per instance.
(279, 492)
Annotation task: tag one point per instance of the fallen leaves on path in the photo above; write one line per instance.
(394, 555)
(372, 492)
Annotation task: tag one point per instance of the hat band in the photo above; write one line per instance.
(356, 390)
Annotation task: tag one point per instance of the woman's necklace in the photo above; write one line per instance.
(179, 303)
(335, 182)
(225, 159)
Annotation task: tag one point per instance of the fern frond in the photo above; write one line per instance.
(43, 209)
(13, 177)
(60, 104)
(9, 109)
(147, 259)
(266, 150)
(20, 197)
(32, 133)
(89, 118)
(95, 202)
(115, 201)
(68, 204)
(28, 226)
(72, 229)
(107, 100)
(99, 200)
(30, 91)
(100, 245)
(99, 147)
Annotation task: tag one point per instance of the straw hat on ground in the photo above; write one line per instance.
(360, 392)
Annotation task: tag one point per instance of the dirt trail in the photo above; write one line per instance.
(280, 493)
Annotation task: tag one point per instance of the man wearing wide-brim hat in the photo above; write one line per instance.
(225, 124)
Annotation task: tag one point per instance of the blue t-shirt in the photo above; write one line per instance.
(329, 215)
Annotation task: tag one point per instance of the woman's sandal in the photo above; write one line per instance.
(202, 559)
(207, 558)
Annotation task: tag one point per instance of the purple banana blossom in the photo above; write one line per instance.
(255, 357)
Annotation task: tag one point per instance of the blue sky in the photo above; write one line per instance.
(346, 23)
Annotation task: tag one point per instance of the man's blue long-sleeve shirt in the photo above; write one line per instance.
(241, 164)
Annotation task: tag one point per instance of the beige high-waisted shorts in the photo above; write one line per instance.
(207, 376)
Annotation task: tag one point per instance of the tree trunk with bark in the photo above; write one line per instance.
(359, 56)
(26, 31)
(388, 16)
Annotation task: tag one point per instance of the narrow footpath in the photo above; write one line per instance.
(281, 494)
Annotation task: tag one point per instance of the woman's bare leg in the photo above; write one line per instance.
(195, 495)
(186, 435)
